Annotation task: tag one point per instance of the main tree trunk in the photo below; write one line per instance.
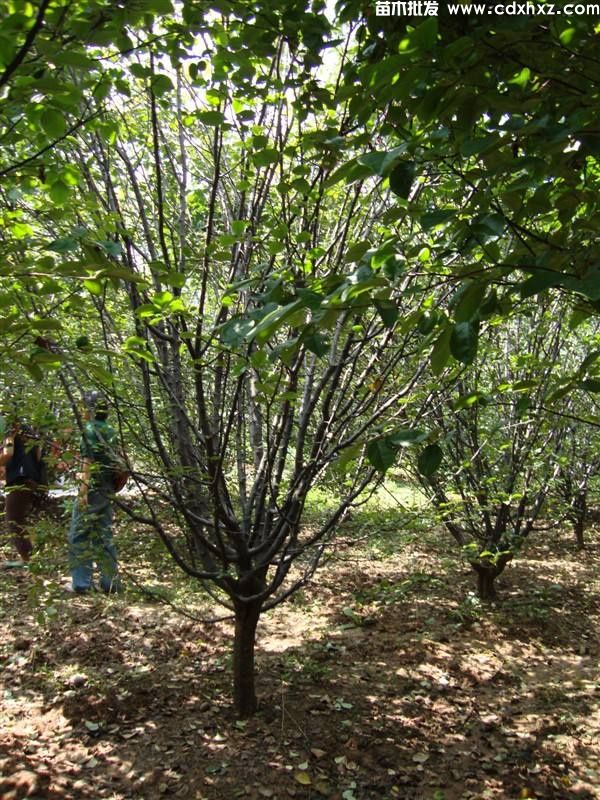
(244, 693)
(486, 590)
(578, 529)
(486, 577)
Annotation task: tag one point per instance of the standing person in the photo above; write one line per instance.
(21, 458)
(90, 533)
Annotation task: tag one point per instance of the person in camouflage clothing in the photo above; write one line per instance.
(90, 532)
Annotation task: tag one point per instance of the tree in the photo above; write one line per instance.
(499, 454)
(241, 387)
(577, 404)
(579, 467)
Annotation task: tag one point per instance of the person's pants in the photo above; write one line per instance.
(91, 540)
(18, 504)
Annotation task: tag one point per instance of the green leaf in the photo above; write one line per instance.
(211, 117)
(100, 373)
(373, 161)
(350, 171)
(66, 245)
(427, 320)
(72, 58)
(567, 35)
(59, 193)
(139, 71)
(522, 405)
(521, 78)
(125, 274)
(136, 346)
(470, 299)
(401, 178)
(430, 459)
(382, 162)
(111, 247)
(46, 324)
(430, 219)
(380, 454)
(476, 146)
(93, 286)
(274, 318)
(263, 158)
(348, 455)
(424, 36)
(157, 6)
(238, 227)
(53, 123)
(539, 281)
(440, 352)
(82, 342)
(35, 371)
(393, 267)
(317, 344)
(406, 437)
(21, 230)
(468, 400)
(388, 311)
(589, 284)
(356, 251)
(524, 386)
(162, 299)
(47, 359)
(175, 279)
(161, 84)
(493, 224)
(235, 331)
(463, 341)
(591, 385)
(578, 317)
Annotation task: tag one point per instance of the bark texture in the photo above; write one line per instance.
(486, 577)
(244, 692)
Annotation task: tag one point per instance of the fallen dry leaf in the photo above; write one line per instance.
(303, 778)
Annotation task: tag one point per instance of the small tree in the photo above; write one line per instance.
(498, 450)
(580, 467)
(579, 461)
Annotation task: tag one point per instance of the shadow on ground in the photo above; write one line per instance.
(381, 681)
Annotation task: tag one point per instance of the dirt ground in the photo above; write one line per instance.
(383, 679)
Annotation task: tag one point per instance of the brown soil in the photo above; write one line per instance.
(378, 681)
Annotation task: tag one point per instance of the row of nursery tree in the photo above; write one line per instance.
(300, 247)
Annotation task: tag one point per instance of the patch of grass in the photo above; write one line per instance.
(319, 502)
(386, 592)
(395, 514)
(470, 610)
(303, 665)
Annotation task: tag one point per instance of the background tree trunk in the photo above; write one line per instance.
(486, 590)
(486, 577)
(246, 620)
(580, 509)
(578, 528)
